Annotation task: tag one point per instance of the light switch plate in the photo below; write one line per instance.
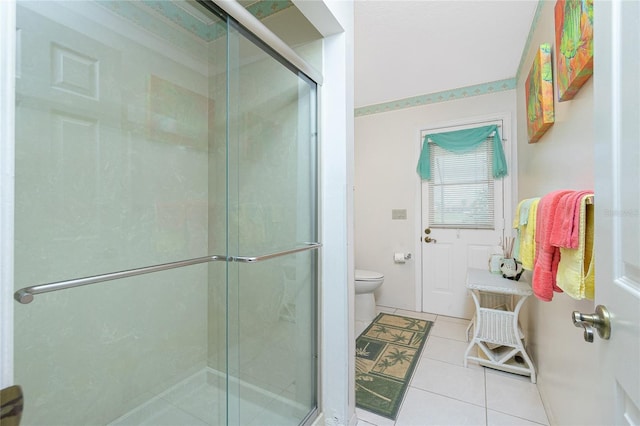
(399, 214)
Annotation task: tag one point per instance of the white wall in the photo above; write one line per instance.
(334, 20)
(387, 147)
(562, 158)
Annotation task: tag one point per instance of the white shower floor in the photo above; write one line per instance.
(200, 400)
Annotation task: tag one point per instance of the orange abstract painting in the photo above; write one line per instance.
(574, 46)
(539, 94)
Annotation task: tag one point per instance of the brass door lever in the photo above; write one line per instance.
(600, 320)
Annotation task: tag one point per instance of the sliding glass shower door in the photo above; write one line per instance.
(272, 235)
(165, 219)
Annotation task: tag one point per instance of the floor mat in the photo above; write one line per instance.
(387, 352)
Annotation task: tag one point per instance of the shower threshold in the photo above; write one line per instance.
(200, 400)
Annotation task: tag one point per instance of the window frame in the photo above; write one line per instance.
(488, 183)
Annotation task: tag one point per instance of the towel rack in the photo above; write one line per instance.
(25, 295)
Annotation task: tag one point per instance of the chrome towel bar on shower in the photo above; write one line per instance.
(254, 259)
(25, 295)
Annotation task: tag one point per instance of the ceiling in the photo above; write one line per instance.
(412, 48)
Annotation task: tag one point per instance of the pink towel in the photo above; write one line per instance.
(545, 265)
(565, 230)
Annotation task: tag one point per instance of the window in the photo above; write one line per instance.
(461, 191)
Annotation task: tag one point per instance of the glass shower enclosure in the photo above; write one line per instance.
(166, 253)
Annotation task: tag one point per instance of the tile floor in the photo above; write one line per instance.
(443, 392)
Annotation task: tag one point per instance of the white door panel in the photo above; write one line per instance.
(445, 264)
(617, 230)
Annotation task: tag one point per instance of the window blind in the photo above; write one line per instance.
(461, 193)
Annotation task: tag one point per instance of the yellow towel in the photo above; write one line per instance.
(576, 275)
(516, 217)
(518, 228)
(528, 237)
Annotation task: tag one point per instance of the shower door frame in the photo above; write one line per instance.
(7, 173)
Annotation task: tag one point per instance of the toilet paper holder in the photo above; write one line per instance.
(401, 257)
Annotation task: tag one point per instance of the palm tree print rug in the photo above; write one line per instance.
(387, 352)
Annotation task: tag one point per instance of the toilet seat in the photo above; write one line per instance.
(364, 275)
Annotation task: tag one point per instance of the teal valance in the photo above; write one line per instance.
(462, 141)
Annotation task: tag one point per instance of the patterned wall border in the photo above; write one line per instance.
(534, 24)
(465, 92)
(265, 8)
(432, 98)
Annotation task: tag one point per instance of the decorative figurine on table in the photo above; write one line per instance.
(511, 269)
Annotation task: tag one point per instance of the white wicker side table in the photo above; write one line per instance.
(496, 331)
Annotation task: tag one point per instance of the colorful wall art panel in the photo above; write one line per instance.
(574, 46)
(539, 94)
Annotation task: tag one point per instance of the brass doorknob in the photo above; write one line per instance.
(600, 320)
(429, 240)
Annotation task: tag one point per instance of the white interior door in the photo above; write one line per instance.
(617, 201)
(453, 249)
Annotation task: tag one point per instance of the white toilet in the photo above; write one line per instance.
(365, 304)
